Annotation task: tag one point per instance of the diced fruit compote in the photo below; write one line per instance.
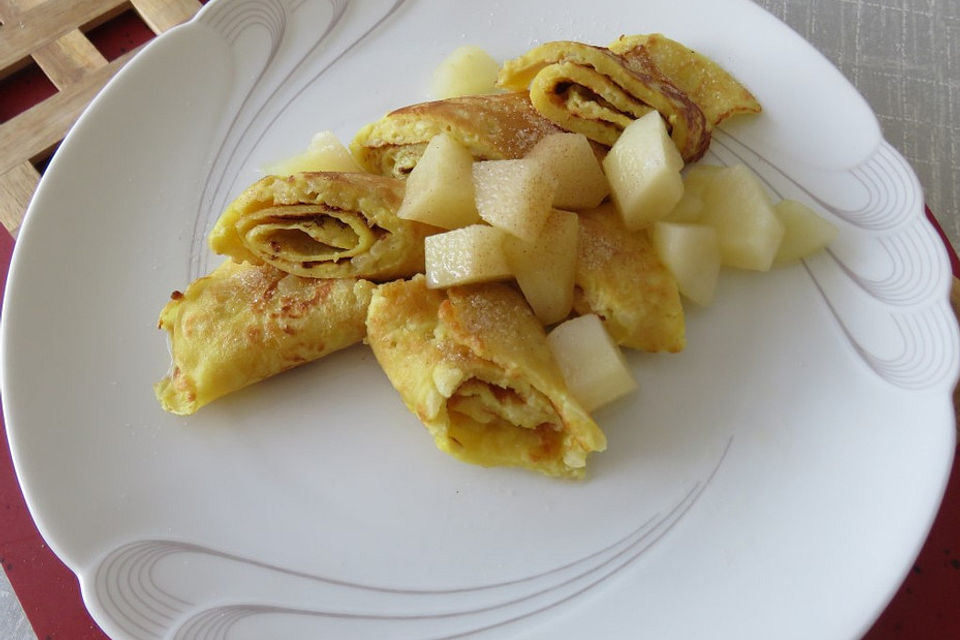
(698, 176)
(325, 153)
(691, 252)
(736, 204)
(581, 183)
(439, 190)
(514, 195)
(467, 71)
(643, 169)
(806, 232)
(593, 367)
(545, 267)
(688, 209)
(465, 255)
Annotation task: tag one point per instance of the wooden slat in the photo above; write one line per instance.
(161, 15)
(68, 59)
(24, 5)
(36, 130)
(45, 22)
(50, 32)
(8, 16)
(16, 188)
(8, 11)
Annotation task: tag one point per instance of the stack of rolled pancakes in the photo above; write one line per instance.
(320, 261)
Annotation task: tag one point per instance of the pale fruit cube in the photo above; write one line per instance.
(806, 232)
(514, 195)
(696, 178)
(439, 190)
(699, 176)
(643, 168)
(325, 153)
(468, 70)
(593, 367)
(465, 255)
(570, 158)
(545, 267)
(737, 206)
(692, 254)
(687, 209)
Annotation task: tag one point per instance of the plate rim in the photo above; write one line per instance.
(15, 276)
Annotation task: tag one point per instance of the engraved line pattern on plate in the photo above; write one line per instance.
(261, 109)
(913, 283)
(911, 246)
(893, 193)
(912, 277)
(921, 363)
(231, 20)
(126, 586)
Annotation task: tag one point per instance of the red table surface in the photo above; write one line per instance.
(927, 606)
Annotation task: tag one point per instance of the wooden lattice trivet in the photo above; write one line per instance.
(51, 32)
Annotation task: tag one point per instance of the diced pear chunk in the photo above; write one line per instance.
(465, 255)
(325, 153)
(570, 158)
(593, 367)
(439, 190)
(697, 177)
(643, 169)
(687, 209)
(514, 195)
(695, 180)
(806, 232)
(692, 254)
(736, 204)
(545, 267)
(468, 70)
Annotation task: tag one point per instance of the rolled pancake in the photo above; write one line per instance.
(323, 225)
(718, 94)
(620, 278)
(596, 92)
(493, 127)
(473, 364)
(244, 323)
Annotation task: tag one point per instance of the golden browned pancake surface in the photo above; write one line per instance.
(492, 127)
(620, 278)
(596, 92)
(243, 323)
(323, 225)
(718, 94)
(473, 364)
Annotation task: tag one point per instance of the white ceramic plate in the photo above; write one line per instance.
(774, 480)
